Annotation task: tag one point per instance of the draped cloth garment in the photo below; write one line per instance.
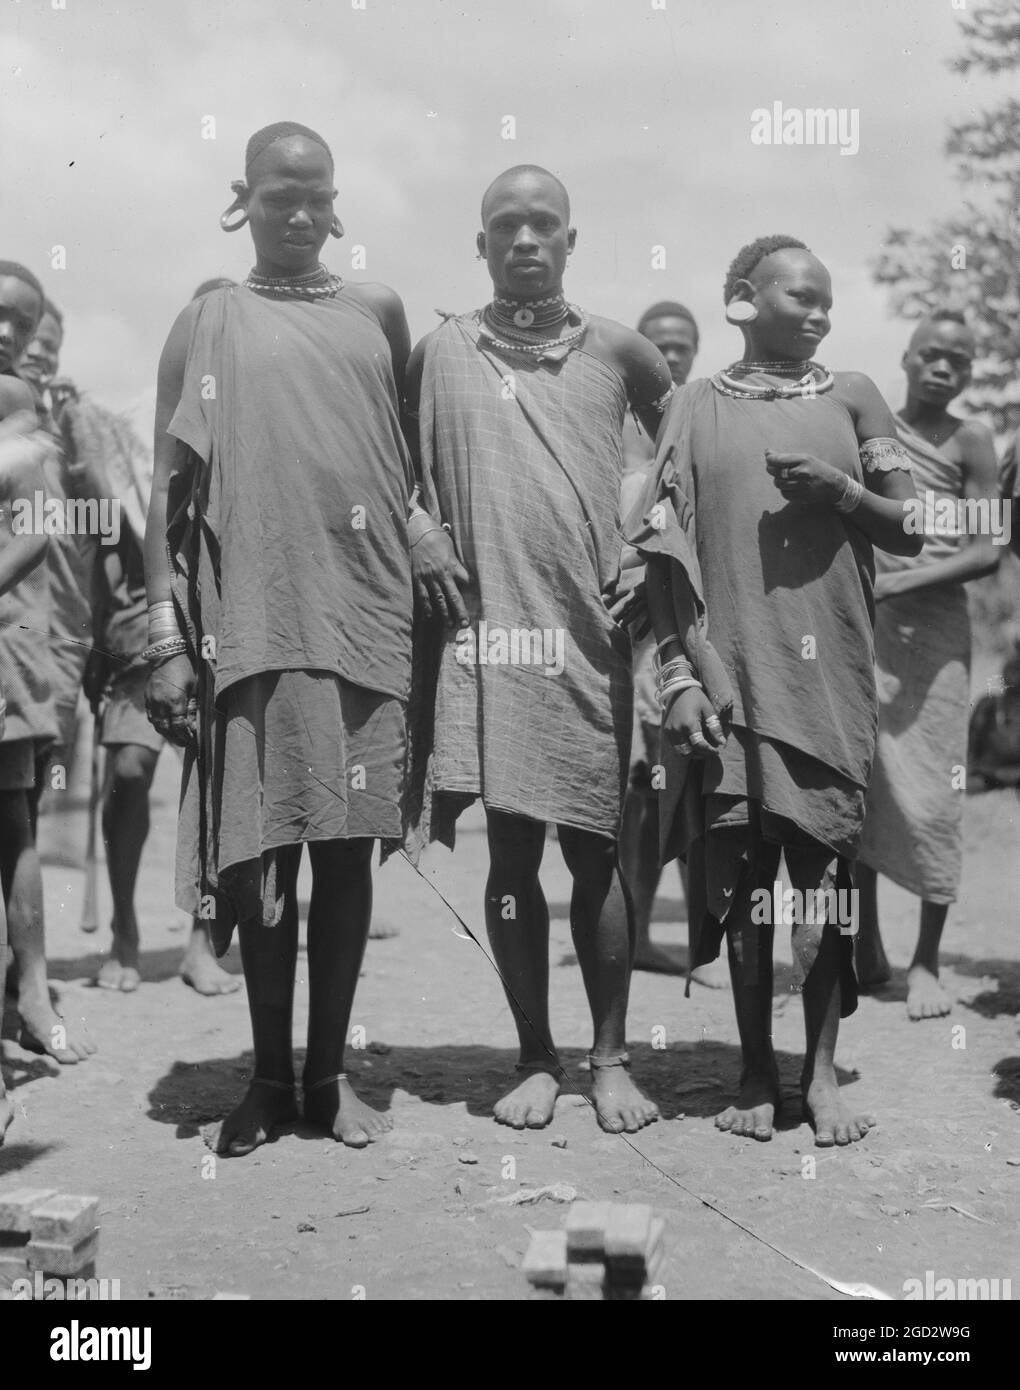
(288, 539)
(914, 824)
(787, 589)
(533, 704)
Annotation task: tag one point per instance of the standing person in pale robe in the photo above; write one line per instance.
(914, 827)
(521, 407)
(280, 633)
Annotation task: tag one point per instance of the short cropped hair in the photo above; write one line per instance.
(16, 271)
(668, 309)
(50, 308)
(279, 130)
(749, 256)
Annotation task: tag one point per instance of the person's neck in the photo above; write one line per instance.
(272, 271)
(526, 296)
(758, 352)
(924, 416)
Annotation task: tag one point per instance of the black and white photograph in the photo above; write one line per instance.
(509, 665)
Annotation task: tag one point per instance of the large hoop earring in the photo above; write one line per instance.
(240, 191)
(740, 311)
(336, 227)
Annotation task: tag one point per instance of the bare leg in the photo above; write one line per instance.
(834, 1122)
(6, 1109)
(754, 1113)
(603, 935)
(517, 920)
(269, 955)
(641, 870)
(872, 964)
(129, 772)
(925, 996)
(338, 920)
(42, 1029)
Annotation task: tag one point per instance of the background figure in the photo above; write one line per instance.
(671, 327)
(913, 829)
(993, 740)
(27, 676)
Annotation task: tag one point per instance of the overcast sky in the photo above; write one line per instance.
(644, 112)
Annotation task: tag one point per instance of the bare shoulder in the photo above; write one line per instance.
(975, 433)
(856, 388)
(15, 394)
(382, 301)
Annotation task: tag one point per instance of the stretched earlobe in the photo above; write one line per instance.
(240, 191)
(336, 227)
(740, 311)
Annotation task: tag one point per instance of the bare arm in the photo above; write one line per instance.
(647, 378)
(170, 384)
(22, 449)
(689, 721)
(976, 555)
(170, 692)
(880, 513)
(388, 308)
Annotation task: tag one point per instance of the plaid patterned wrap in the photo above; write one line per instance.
(524, 460)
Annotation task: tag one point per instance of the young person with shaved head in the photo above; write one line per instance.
(280, 633)
(521, 407)
(773, 480)
(914, 825)
(28, 675)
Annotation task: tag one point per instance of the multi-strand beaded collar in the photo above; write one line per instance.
(810, 379)
(513, 325)
(319, 283)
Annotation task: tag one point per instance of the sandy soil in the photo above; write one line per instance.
(430, 1211)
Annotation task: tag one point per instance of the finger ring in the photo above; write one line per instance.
(686, 749)
(713, 720)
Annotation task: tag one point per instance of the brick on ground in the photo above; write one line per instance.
(545, 1263)
(51, 1257)
(635, 1267)
(16, 1208)
(64, 1220)
(586, 1230)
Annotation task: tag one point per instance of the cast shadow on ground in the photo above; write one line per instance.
(690, 1079)
(1007, 1081)
(16, 1156)
(990, 1003)
(154, 966)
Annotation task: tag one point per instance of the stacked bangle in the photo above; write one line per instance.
(850, 498)
(158, 652)
(162, 620)
(672, 678)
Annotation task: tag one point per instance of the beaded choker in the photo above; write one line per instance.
(319, 283)
(814, 380)
(553, 349)
(508, 313)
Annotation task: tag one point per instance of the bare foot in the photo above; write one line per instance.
(714, 975)
(649, 957)
(6, 1113)
(46, 1033)
(336, 1108)
(382, 931)
(263, 1109)
(529, 1105)
(873, 969)
(755, 1111)
(205, 976)
(619, 1105)
(113, 975)
(925, 996)
(831, 1120)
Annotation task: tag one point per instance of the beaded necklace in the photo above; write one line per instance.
(535, 314)
(814, 381)
(509, 341)
(319, 283)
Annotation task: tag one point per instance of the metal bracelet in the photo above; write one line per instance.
(169, 647)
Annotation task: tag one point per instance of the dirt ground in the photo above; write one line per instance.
(430, 1212)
